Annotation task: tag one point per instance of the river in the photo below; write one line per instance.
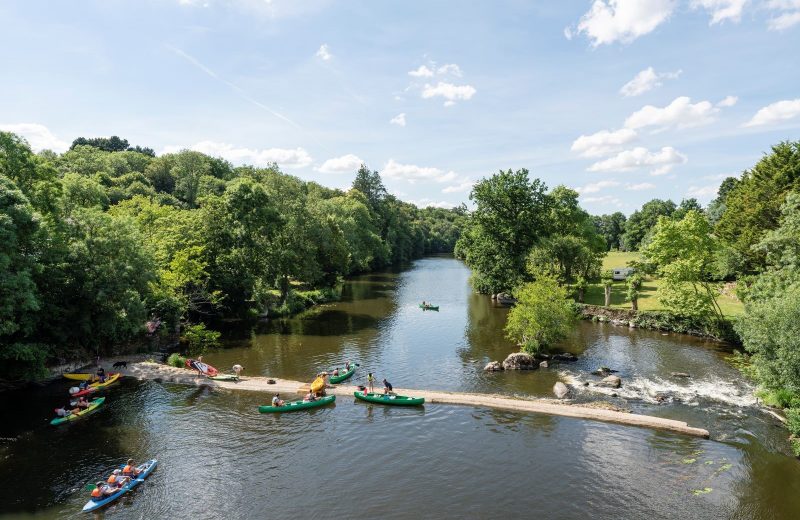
(219, 458)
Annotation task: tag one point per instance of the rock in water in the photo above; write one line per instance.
(679, 374)
(561, 390)
(520, 361)
(610, 382)
(565, 356)
(604, 371)
(493, 366)
(543, 364)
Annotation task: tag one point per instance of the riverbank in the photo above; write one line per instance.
(164, 373)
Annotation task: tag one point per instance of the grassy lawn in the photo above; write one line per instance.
(647, 300)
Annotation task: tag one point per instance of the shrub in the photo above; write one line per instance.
(176, 360)
(198, 338)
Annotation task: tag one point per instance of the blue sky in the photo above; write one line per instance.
(625, 100)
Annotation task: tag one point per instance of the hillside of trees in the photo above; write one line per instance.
(101, 239)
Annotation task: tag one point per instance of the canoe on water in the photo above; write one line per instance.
(77, 415)
(203, 368)
(146, 468)
(83, 376)
(429, 307)
(298, 405)
(225, 377)
(94, 387)
(394, 400)
(343, 376)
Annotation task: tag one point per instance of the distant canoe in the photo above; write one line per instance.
(343, 376)
(429, 307)
(77, 415)
(394, 400)
(298, 405)
(94, 387)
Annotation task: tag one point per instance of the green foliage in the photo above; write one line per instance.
(793, 420)
(640, 222)
(23, 361)
(542, 315)
(611, 228)
(176, 360)
(198, 338)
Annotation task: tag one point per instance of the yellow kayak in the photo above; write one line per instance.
(318, 384)
(109, 380)
(80, 376)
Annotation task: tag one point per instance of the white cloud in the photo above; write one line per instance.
(421, 72)
(399, 120)
(789, 14)
(451, 93)
(345, 163)
(602, 143)
(324, 53)
(594, 187)
(287, 157)
(428, 203)
(646, 80)
(605, 199)
(413, 173)
(776, 113)
(459, 188)
(703, 192)
(729, 101)
(640, 157)
(640, 187)
(681, 113)
(38, 136)
(609, 21)
(721, 10)
(449, 68)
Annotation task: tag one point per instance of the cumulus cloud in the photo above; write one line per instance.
(421, 72)
(323, 53)
(451, 93)
(609, 21)
(703, 192)
(459, 188)
(594, 187)
(38, 136)
(449, 68)
(721, 10)
(428, 203)
(345, 163)
(776, 113)
(399, 120)
(287, 157)
(646, 80)
(662, 161)
(640, 187)
(681, 113)
(605, 199)
(413, 173)
(602, 143)
(789, 14)
(729, 101)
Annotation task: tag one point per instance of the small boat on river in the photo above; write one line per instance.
(94, 387)
(390, 399)
(428, 307)
(145, 470)
(84, 376)
(77, 415)
(343, 375)
(294, 406)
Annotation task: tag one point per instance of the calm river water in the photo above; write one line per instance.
(219, 458)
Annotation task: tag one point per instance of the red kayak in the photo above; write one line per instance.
(203, 368)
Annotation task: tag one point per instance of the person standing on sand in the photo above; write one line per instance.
(237, 369)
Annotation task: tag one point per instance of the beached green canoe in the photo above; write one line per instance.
(71, 417)
(395, 400)
(343, 375)
(429, 307)
(298, 405)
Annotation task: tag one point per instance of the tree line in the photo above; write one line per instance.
(106, 237)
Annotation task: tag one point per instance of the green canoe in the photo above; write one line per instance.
(225, 377)
(71, 417)
(343, 375)
(396, 400)
(429, 307)
(293, 406)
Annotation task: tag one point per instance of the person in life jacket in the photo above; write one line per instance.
(116, 479)
(101, 490)
(130, 469)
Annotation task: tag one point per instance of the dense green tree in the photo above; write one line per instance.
(542, 315)
(611, 228)
(642, 221)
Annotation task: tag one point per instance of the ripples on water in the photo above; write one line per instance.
(219, 458)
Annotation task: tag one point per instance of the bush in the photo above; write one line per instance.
(198, 338)
(176, 360)
(793, 421)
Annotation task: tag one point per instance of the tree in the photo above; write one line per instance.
(611, 228)
(510, 217)
(642, 221)
(542, 315)
(567, 257)
(608, 283)
(634, 289)
(683, 253)
(370, 184)
(717, 206)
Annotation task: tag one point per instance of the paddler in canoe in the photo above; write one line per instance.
(130, 469)
(277, 401)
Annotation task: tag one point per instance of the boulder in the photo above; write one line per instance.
(543, 364)
(519, 361)
(560, 390)
(604, 371)
(610, 382)
(566, 356)
(493, 366)
(505, 299)
(679, 374)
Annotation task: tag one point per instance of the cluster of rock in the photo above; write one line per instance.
(504, 298)
(523, 361)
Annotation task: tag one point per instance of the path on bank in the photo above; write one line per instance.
(164, 373)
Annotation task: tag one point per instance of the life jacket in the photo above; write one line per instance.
(128, 469)
(97, 492)
(112, 479)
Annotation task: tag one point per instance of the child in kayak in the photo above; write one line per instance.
(347, 366)
(335, 372)
(63, 412)
(130, 469)
(102, 490)
(116, 479)
(277, 401)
